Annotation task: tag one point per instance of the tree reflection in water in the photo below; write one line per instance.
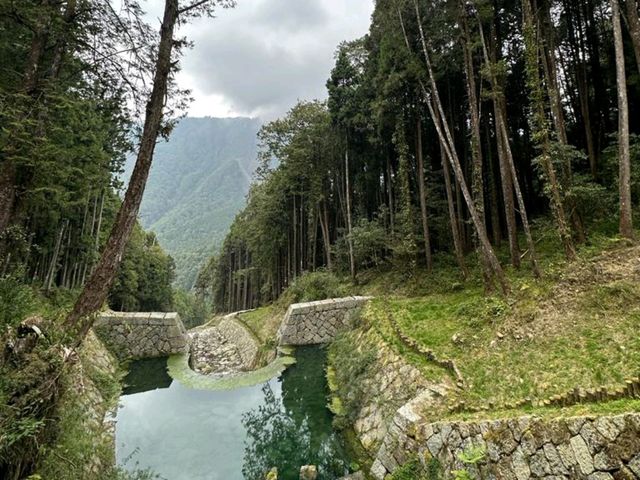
(296, 429)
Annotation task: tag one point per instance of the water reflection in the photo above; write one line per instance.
(149, 374)
(294, 430)
(185, 434)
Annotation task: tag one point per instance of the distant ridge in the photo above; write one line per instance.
(198, 182)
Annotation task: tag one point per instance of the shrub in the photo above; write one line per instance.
(351, 369)
(311, 286)
(17, 300)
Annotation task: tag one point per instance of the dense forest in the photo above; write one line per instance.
(66, 130)
(83, 85)
(453, 127)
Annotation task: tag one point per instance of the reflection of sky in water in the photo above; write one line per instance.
(185, 434)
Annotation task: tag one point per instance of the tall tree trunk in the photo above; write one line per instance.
(541, 129)
(352, 260)
(390, 194)
(521, 205)
(634, 28)
(453, 218)
(326, 238)
(422, 188)
(442, 128)
(8, 169)
(295, 239)
(557, 110)
(626, 221)
(496, 230)
(504, 151)
(95, 291)
(53, 266)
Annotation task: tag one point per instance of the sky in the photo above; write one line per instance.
(260, 57)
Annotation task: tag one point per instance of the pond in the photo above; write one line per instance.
(186, 434)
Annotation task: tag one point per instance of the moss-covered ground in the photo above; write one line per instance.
(577, 326)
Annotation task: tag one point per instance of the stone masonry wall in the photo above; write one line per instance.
(141, 335)
(592, 448)
(235, 332)
(317, 322)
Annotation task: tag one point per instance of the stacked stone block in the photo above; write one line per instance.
(141, 335)
(236, 333)
(318, 322)
(592, 448)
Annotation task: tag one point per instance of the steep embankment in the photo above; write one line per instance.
(197, 184)
(563, 347)
(85, 445)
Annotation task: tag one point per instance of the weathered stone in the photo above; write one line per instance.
(308, 472)
(519, 465)
(607, 427)
(556, 464)
(539, 465)
(605, 462)
(317, 322)
(132, 335)
(600, 476)
(377, 470)
(634, 465)
(594, 440)
(582, 454)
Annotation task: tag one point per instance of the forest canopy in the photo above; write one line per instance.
(449, 128)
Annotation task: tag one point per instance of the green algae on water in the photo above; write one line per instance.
(178, 368)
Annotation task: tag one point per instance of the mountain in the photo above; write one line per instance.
(197, 184)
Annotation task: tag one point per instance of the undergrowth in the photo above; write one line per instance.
(347, 375)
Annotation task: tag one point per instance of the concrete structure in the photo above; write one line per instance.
(318, 322)
(131, 335)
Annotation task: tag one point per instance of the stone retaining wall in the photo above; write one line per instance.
(317, 322)
(141, 335)
(592, 448)
(235, 332)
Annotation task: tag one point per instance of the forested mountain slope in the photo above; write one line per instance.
(197, 184)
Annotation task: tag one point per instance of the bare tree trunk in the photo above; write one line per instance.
(99, 226)
(504, 151)
(453, 220)
(95, 291)
(8, 169)
(390, 194)
(626, 221)
(423, 197)
(326, 238)
(53, 266)
(295, 239)
(521, 205)
(540, 127)
(444, 135)
(634, 28)
(557, 110)
(496, 230)
(352, 260)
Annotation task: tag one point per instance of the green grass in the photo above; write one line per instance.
(519, 347)
(263, 322)
(614, 407)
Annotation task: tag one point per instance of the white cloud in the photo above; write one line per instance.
(259, 58)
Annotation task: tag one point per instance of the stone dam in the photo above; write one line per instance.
(132, 336)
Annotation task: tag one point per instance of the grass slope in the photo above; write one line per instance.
(577, 327)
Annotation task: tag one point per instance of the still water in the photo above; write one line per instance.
(186, 434)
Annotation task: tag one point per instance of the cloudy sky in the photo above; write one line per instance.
(260, 57)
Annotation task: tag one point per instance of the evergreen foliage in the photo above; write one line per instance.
(455, 121)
